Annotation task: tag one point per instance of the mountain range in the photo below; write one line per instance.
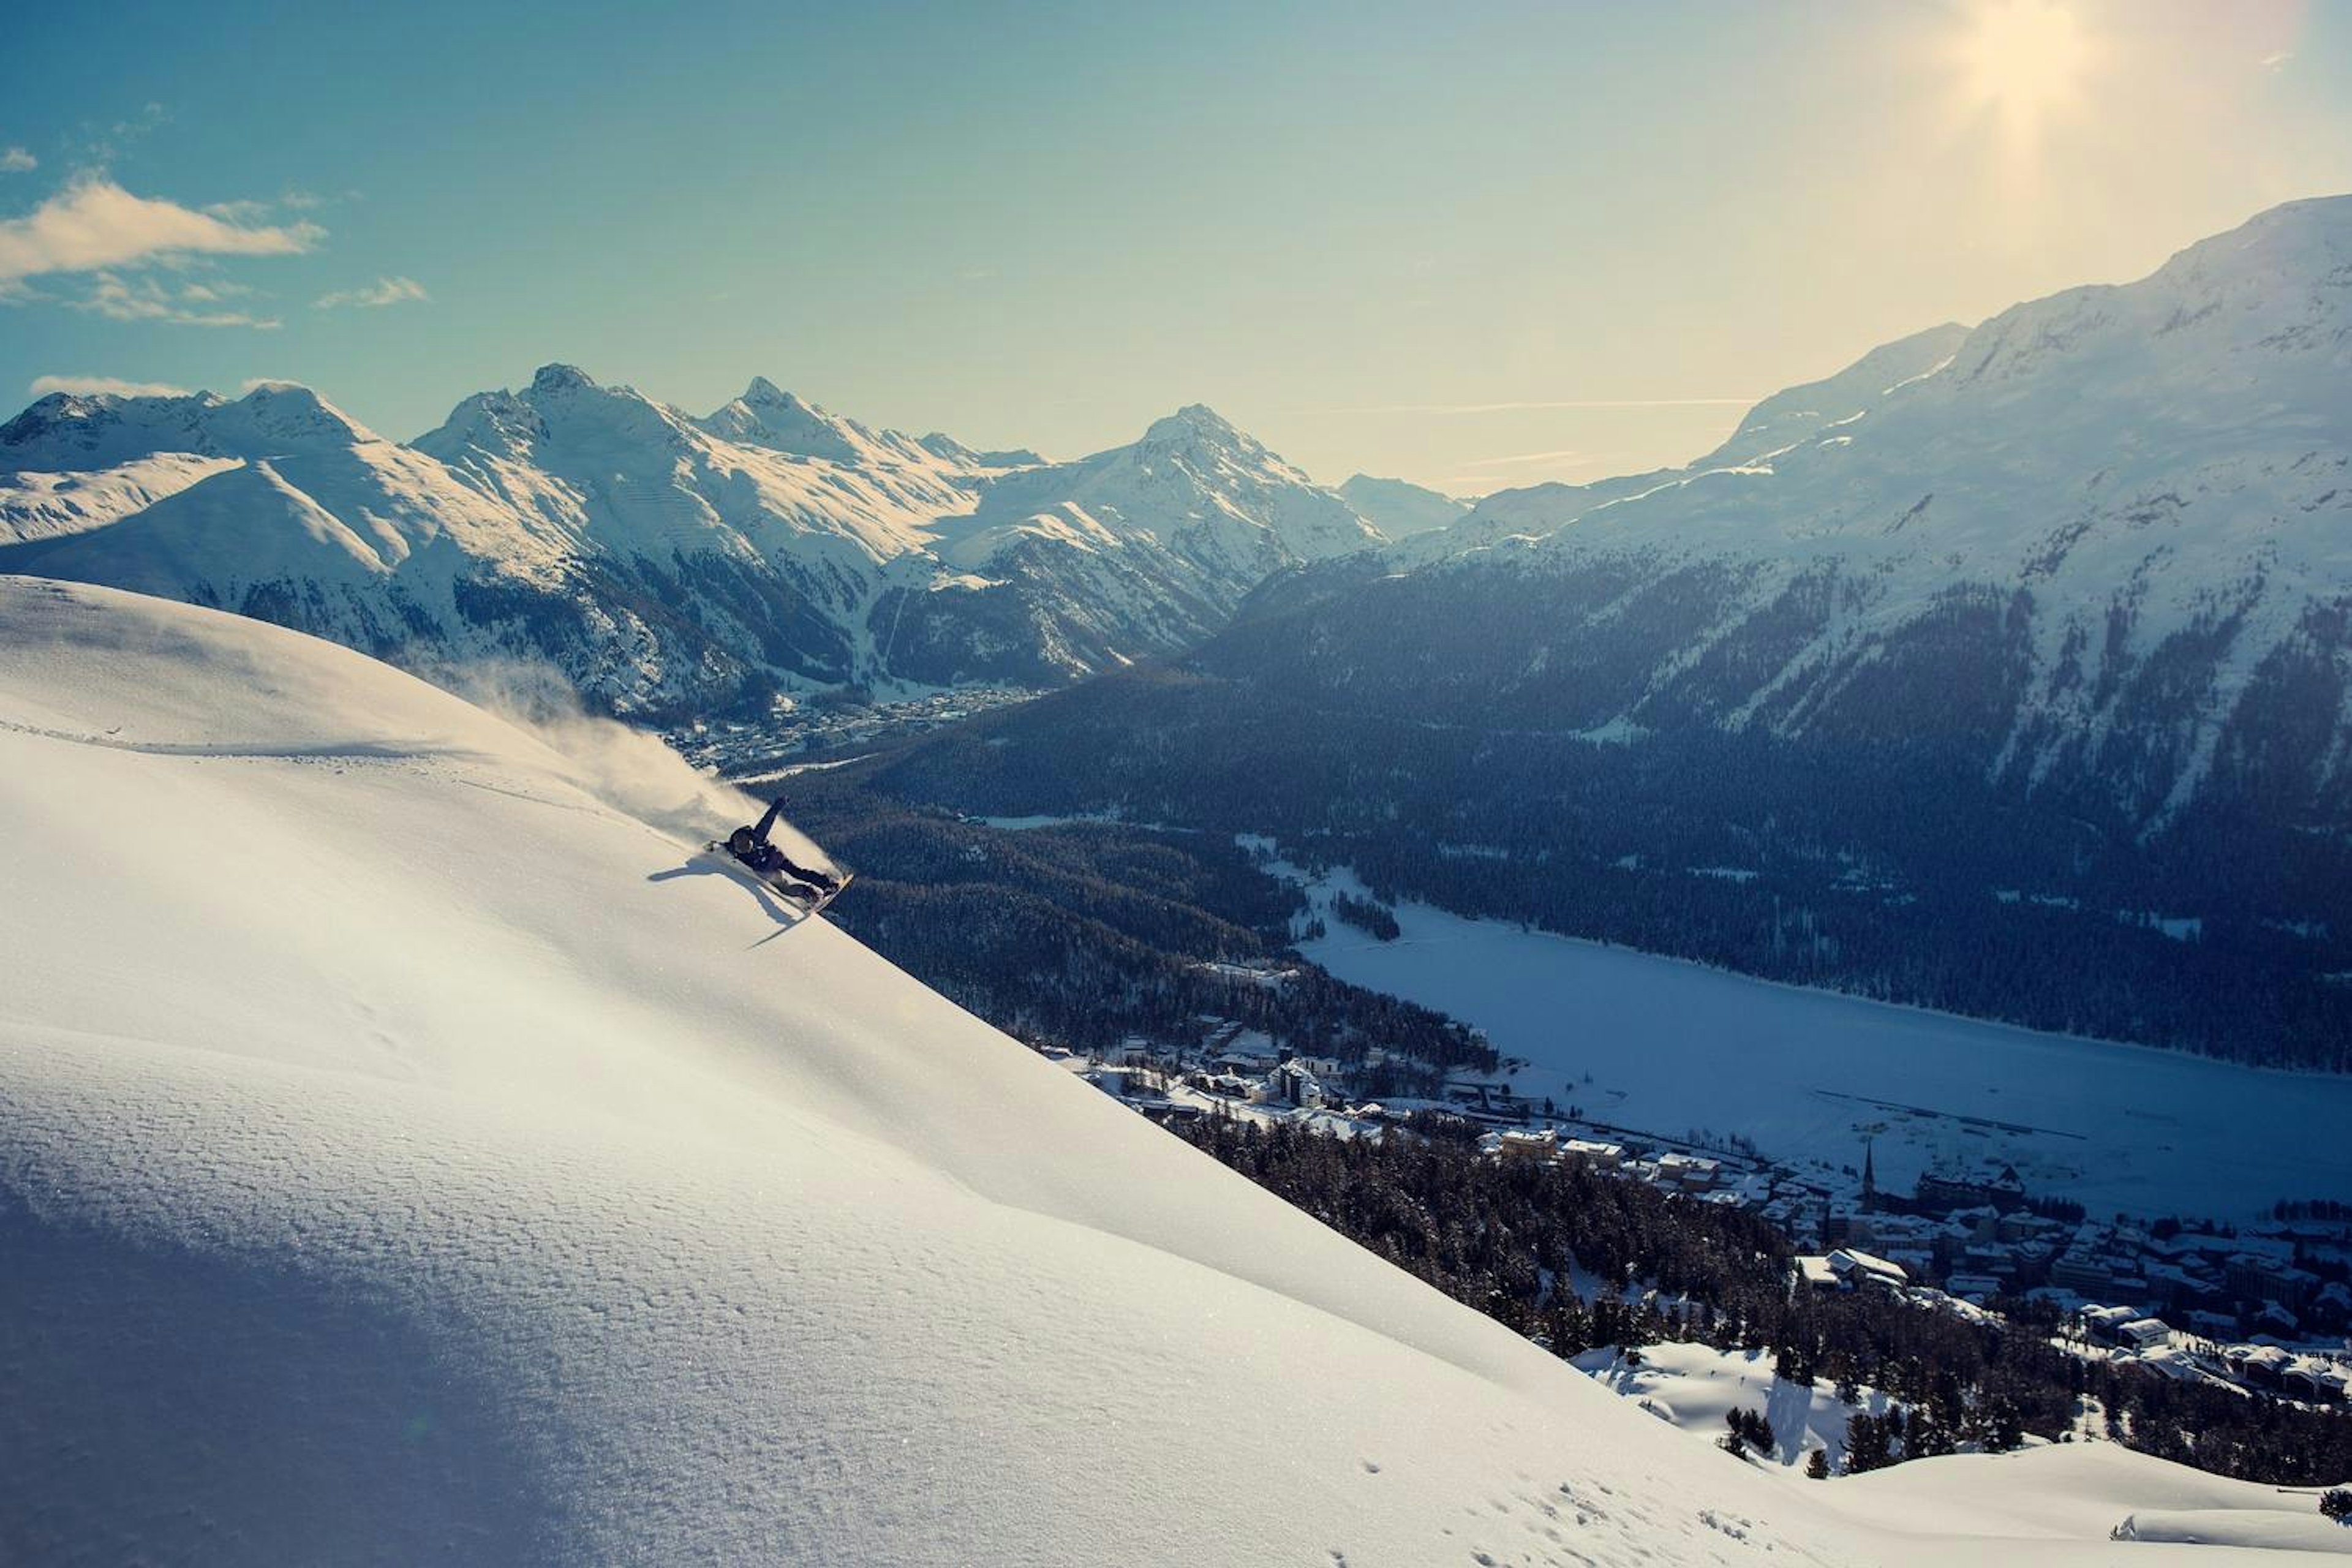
(2008, 670)
(663, 562)
(2106, 529)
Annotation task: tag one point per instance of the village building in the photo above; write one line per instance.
(1856, 1270)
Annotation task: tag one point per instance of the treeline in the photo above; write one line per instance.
(1500, 1236)
(1084, 934)
(1884, 867)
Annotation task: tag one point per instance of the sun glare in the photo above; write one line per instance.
(2023, 61)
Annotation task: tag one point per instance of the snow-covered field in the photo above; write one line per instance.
(1671, 1046)
(411, 1153)
(1694, 1386)
(2022, 1506)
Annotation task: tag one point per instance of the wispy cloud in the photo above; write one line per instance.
(1561, 458)
(103, 386)
(16, 160)
(120, 298)
(241, 212)
(375, 296)
(1539, 406)
(94, 224)
(2272, 62)
(96, 146)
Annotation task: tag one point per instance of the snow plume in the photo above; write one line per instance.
(103, 386)
(630, 770)
(627, 769)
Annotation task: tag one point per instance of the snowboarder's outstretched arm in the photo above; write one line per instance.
(750, 846)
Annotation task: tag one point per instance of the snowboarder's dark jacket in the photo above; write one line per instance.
(750, 846)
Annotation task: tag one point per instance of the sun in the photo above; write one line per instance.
(2023, 61)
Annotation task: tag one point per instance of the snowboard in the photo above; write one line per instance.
(810, 900)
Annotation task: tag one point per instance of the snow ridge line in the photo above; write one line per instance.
(372, 751)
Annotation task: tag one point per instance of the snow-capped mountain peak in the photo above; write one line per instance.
(1198, 434)
(288, 415)
(767, 416)
(73, 432)
(1195, 423)
(555, 378)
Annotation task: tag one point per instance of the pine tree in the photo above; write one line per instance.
(1817, 1464)
(1869, 1444)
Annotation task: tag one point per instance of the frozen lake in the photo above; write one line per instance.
(1671, 1047)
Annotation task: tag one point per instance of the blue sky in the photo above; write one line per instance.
(1474, 245)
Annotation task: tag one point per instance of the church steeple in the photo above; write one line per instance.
(1869, 1176)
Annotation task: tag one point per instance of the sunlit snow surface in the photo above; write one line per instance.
(407, 1156)
(1671, 1047)
(2027, 1507)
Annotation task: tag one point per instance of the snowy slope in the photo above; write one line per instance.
(2044, 1503)
(1779, 421)
(660, 561)
(38, 505)
(2040, 1505)
(1399, 509)
(409, 1154)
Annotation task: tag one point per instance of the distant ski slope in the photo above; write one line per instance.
(408, 1155)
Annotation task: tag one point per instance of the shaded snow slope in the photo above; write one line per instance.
(406, 1155)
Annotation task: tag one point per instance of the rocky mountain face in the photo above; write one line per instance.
(662, 562)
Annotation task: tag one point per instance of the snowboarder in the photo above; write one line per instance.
(750, 846)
